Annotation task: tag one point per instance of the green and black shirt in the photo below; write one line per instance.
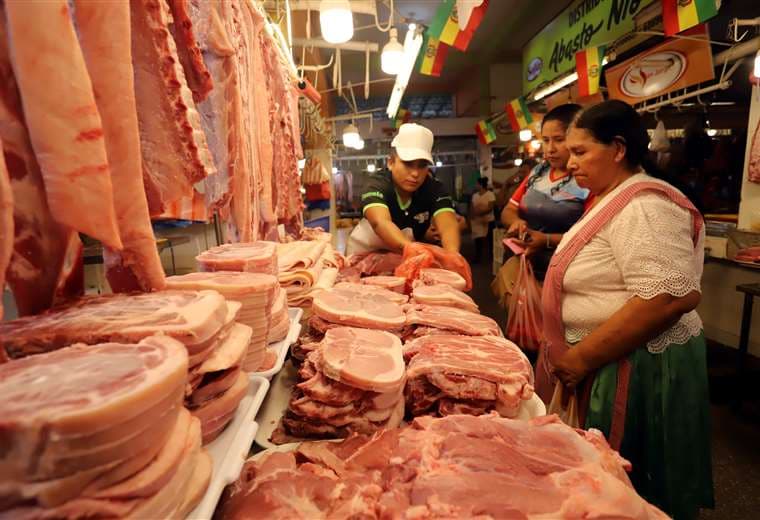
(428, 201)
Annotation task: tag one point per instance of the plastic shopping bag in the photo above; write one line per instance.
(568, 412)
(525, 320)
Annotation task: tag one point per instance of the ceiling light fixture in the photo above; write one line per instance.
(757, 64)
(351, 136)
(526, 135)
(371, 168)
(535, 144)
(392, 58)
(359, 144)
(412, 46)
(336, 21)
(438, 164)
(334, 170)
(518, 161)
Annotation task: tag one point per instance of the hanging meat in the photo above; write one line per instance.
(104, 33)
(753, 170)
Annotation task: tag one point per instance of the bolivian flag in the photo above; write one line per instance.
(518, 113)
(445, 24)
(485, 131)
(679, 15)
(588, 64)
(402, 116)
(433, 56)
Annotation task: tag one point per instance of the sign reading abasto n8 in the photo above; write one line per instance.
(585, 23)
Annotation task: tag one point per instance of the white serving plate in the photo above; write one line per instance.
(279, 397)
(230, 450)
(282, 347)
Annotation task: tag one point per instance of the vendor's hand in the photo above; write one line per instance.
(571, 369)
(534, 241)
(517, 228)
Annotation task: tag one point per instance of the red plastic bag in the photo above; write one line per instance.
(418, 256)
(525, 320)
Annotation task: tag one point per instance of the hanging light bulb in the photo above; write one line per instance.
(334, 170)
(371, 168)
(359, 144)
(392, 57)
(336, 21)
(526, 135)
(535, 144)
(518, 161)
(350, 136)
(438, 164)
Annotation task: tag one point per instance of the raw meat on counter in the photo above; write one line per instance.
(392, 283)
(748, 254)
(453, 375)
(99, 431)
(443, 295)
(369, 264)
(280, 324)
(753, 168)
(299, 254)
(457, 321)
(6, 223)
(251, 257)
(358, 309)
(435, 276)
(197, 319)
(255, 291)
(374, 290)
(351, 382)
(455, 467)
(304, 297)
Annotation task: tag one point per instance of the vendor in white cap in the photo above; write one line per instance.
(400, 204)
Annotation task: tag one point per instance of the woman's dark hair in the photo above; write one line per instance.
(565, 114)
(615, 120)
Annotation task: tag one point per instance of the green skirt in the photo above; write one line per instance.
(667, 426)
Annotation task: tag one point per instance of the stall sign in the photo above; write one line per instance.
(672, 65)
(585, 23)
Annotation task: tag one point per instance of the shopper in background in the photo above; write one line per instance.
(621, 330)
(509, 186)
(482, 219)
(549, 201)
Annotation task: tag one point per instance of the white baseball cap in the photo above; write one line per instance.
(413, 142)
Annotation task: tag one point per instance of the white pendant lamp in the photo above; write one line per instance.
(526, 135)
(336, 21)
(392, 57)
(351, 136)
(359, 145)
(518, 161)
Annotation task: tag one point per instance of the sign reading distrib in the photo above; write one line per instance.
(586, 23)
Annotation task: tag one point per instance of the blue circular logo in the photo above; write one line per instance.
(534, 68)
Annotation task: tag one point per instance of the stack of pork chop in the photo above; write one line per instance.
(99, 431)
(203, 321)
(250, 257)
(352, 382)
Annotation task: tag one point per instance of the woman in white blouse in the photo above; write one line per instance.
(619, 312)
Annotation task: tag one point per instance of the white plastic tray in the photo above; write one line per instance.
(230, 450)
(282, 386)
(281, 347)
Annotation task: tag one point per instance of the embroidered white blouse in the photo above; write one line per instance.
(645, 250)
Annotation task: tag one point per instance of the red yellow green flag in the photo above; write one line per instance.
(485, 131)
(679, 15)
(588, 64)
(445, 24)
(464, 37)
(518, 114)
(402, 116)
(433, 56)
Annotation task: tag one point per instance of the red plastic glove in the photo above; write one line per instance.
(457, 263)
(418, 256)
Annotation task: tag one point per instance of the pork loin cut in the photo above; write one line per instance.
(392, 283)
(231, 351)
(221, 409)
(6, 223)
(252, 257)
(452, 319)
(469, 369)
(194, 318)
(358, 310)
(443, 295)
(369, 289)
(434, 276)
(81, 390)
(366, 359)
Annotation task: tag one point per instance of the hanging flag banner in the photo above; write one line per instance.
(673, 65)
(583, 24)
(442, 27)
(433, 56)
(463, 39)
(485, 131)
(464, 11)
(518, 114)
(679, 15)
(402, 116)
(588, 64)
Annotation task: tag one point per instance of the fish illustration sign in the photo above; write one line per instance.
(585, 23)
